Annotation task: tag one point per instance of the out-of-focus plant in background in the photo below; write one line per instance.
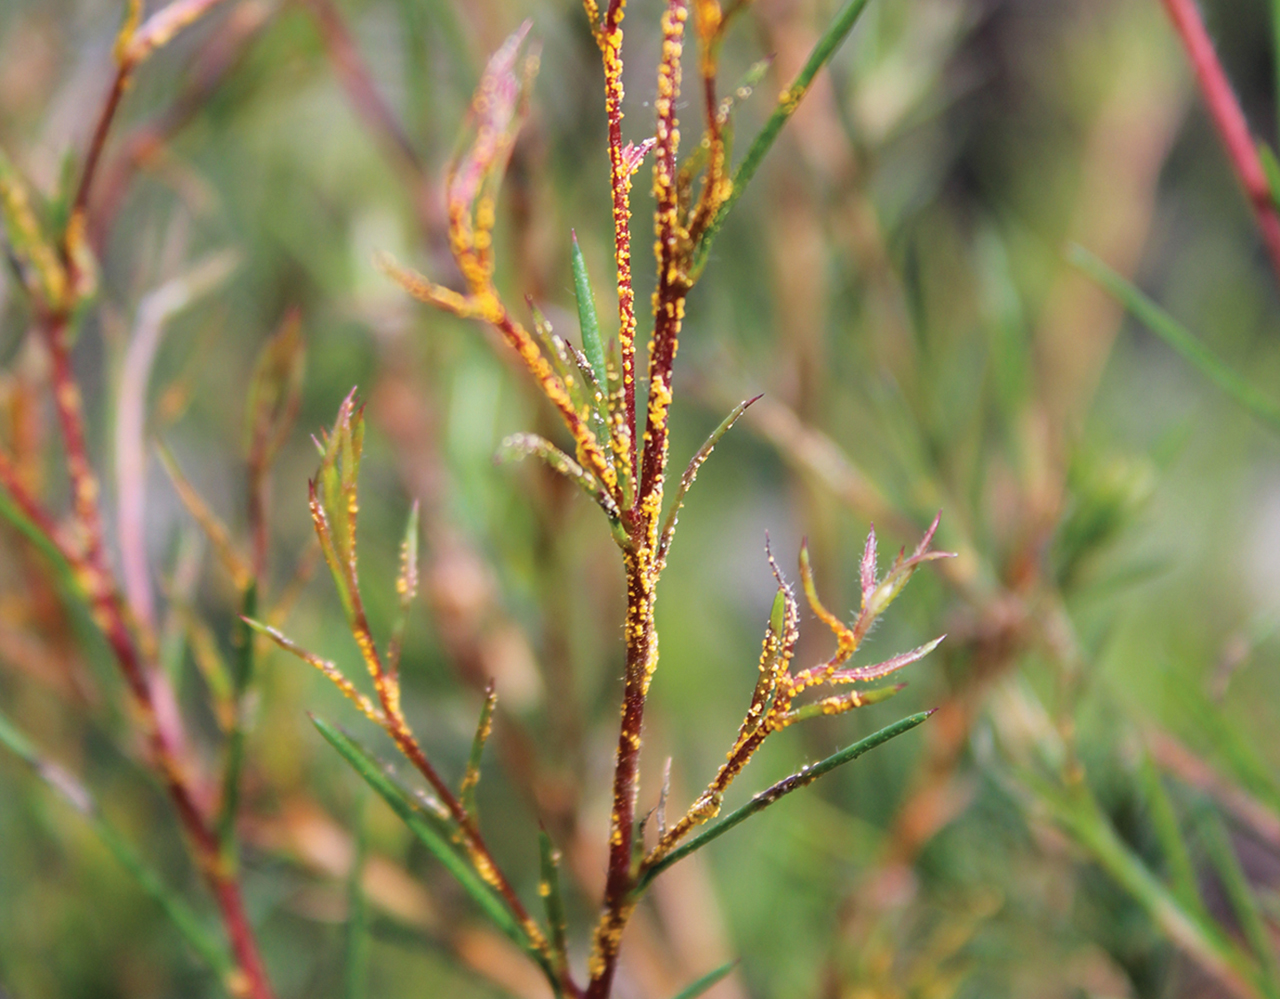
(1007, 259)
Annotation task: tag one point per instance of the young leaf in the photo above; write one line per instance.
(1213, 368)
(706, 981)
(592, 345)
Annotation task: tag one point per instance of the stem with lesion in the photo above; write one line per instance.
(642, 562)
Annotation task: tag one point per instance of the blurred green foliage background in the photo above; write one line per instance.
(895, 281)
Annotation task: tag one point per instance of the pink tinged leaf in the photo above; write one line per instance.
(928, 537)
(869, 566)
(633, 155)
(878, 670)
(493, 109)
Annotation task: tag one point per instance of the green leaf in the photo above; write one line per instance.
(592, 344)
(406, 589)
(206, 945)
(706, 981)
(691, 473)
(552, 898)
(427, 832)
(837, 31)
(1173, 844)
(802, 778)
(1179, 338)
(1243, 900)
(1077, 811)
(467, 793)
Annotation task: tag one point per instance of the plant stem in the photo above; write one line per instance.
(1229, 120)
(162, 727)
(642, 657)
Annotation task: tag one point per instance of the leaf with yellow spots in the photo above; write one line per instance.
(552, 899)
(470, 780)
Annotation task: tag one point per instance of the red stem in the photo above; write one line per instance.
(1228, 118)
(163, 728)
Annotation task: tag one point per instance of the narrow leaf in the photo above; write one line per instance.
(241, 679)
(802, 778)
(592, 344)
(406, 590)
(706, 981)
(1180, 339)
(467, 793)
(236, 565)
(838, 704)
(552, 899)
(372, 772)
(831, 39)
(867, 567)
(1173, 844)
(876, 671)
(329, 669)
(1241, 893)
(691, 473)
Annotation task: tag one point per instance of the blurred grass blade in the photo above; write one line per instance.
(802, 778)
(275, 391)
(470, 780)
(236, 565)
(592, 344)
(372, 772)
(1179, 338)
(706, 981)
(1173, 844)
(1242, 895)
(241, 678)
(788, 101)
(206, 945)
(1079, 814)
(552, 899)
(355, 964)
